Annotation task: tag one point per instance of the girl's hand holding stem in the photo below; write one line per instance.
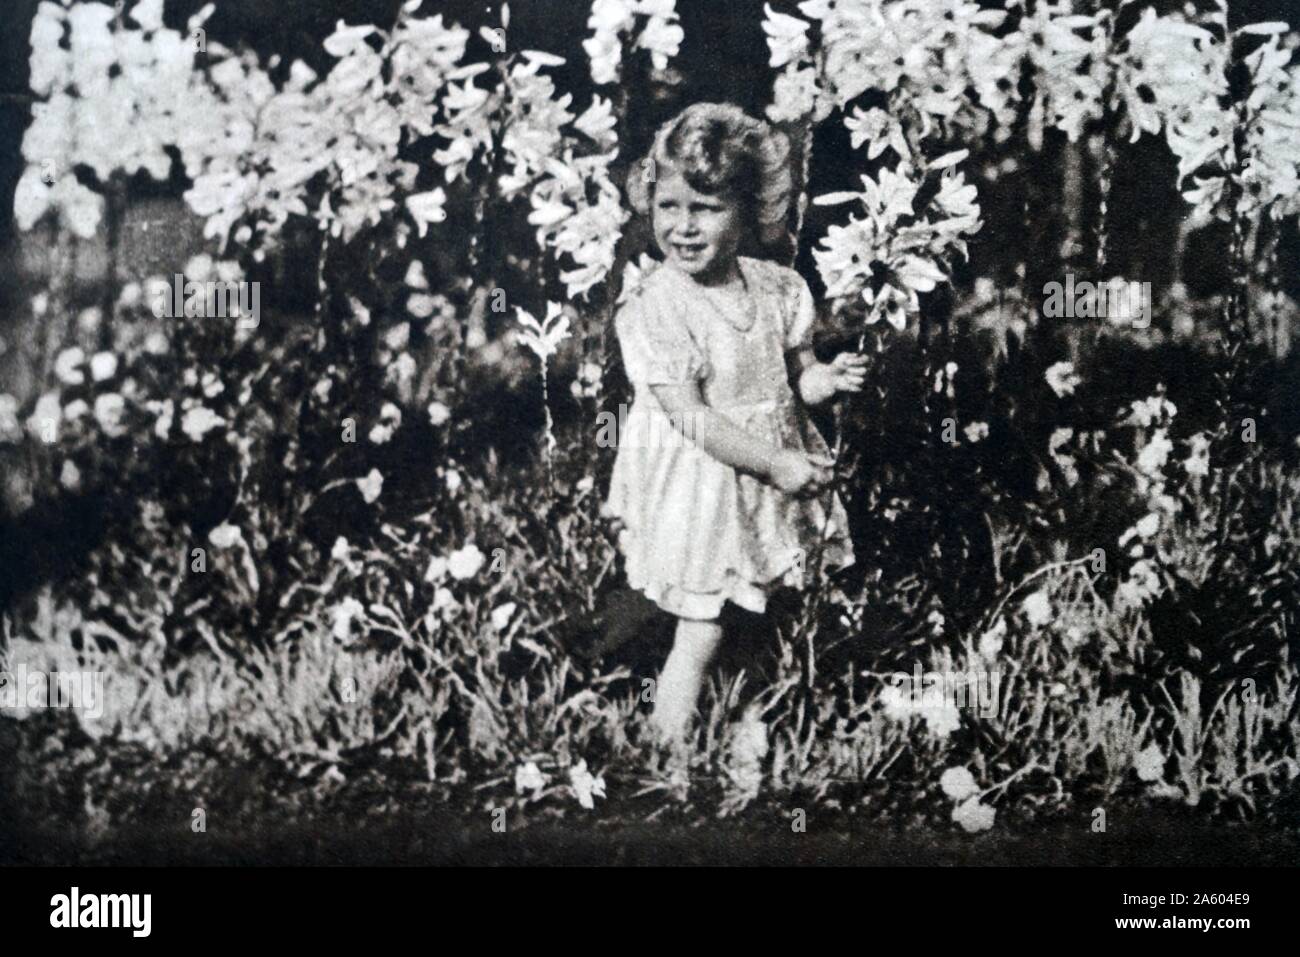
(800, 473)
(821, 381)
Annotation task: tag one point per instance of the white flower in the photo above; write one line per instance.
(346, 40)
(426, 208)
(1148, 525)
(662, 38)
(10, 430)
(604, 48)
(390, 419)
(958, 783)
(79, 207)
(381, 433)
(49, 63)
(1198, 463)
(612, 16)
(794, 95)
(1037, 608)
(343, 614)
(102, 366)
(44, 420)
(340, 550)
(941, 718)
(529, 778)
(438, 413)
(598, 124)
(453, 480)
(1154, 454)
(990, 644)
(897, 702)
(746, 751)
(149, 14)
(878, 128)
(1143, 411)
(544, 337)
(1149, 763)
(787, 37)
(443, 598)
(400, 373)
(75, 409)
(225, 535)
(749, 743)
(422, 305)
(199, 268)
(68, 366)
(415, 277)
(973, 816)
(1058, 438)
(977, 431)
(501, 615)
(109, 411)
(1146, 411)
(165, 410)
(437, 569)
(465, 562)
(1142, 583)
(70, 475)
(584, 785)
(371, 486)
(1061, 377)
(397, 339)
(199, 421)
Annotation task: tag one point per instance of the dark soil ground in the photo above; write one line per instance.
(1158, 840)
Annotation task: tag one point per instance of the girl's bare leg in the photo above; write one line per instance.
(678, 689)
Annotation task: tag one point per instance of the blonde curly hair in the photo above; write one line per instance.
(720, 149)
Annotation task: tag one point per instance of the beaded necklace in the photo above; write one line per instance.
(742, 319)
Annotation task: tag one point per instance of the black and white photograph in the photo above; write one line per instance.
(650, 433)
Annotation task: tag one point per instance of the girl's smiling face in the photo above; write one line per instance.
(699, 233)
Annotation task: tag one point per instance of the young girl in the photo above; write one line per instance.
(729, 508)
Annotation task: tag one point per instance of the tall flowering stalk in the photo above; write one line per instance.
(890, 250)
(619, 25)
(918, 55)
(544, 339)
(896, 243)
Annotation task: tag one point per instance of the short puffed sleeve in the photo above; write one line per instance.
(657, 344)
(801, 313)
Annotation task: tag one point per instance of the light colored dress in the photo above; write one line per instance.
(697, 533)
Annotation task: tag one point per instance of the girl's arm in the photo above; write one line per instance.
(721, 438)
(819, 381)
